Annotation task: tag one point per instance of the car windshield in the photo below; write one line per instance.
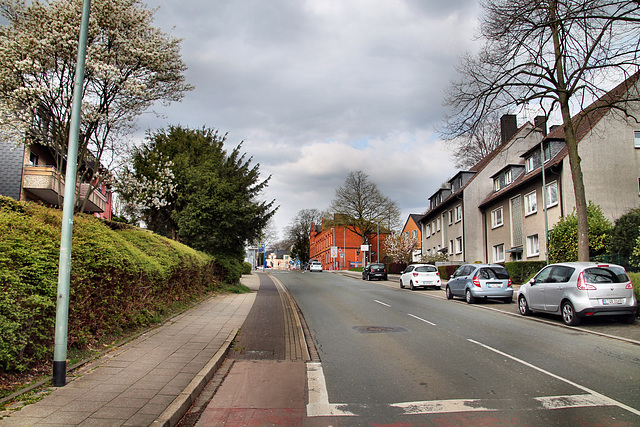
(426, 269)
(493, 273)
(605, 275)
(377, 265)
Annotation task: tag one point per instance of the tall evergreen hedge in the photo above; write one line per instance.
(121, 278)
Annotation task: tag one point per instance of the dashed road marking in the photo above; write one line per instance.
(421, 319)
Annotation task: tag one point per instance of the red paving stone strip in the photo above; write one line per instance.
(159, 372)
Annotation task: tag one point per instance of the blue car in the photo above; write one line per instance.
(473, 281)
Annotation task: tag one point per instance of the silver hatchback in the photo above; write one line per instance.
(473, 281)
(579, 289)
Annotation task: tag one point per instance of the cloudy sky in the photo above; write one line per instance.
(317, 88)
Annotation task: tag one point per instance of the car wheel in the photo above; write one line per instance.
(385, 278)
(569, 314)
(524, 307)
(508, 300)
(413, 288)
(468, 297)
(401, 284)
(448, 293)
(629, 319)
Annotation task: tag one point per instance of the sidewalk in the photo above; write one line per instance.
(153, 379)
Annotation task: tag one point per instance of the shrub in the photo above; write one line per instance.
(446, 271)
(635, 278)
(625, 233)
(521, 271)
(121, 278)
(246, 268)
(563, 239)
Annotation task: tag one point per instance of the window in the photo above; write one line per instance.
(458, 213)
(552, 194)
(498, 253)
(438, 224)
(533, 248)
(636, 138)
(459, 244)
(507, 177)
(546, 149)
(451, 216)
(528, 164)
(530, 203)
(428, 231)
(433, 227)
(33, 159)
(450, 247)
(414, 233)
(496, 218)
(496, 183)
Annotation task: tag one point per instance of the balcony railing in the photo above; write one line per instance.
(47, 184)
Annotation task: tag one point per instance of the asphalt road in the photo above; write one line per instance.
(395, 356)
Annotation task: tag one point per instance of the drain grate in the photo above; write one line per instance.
(378, 329)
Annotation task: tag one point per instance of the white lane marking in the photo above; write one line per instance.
(421, 319)
(319, 405)
(380, 302)
(441, 406)
(577, 401)
(602, 398)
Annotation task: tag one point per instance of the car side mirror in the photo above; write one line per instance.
(532, 282)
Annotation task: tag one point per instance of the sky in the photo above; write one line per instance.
(317, 88)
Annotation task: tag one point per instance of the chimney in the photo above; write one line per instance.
(541, 124)
(508, 127)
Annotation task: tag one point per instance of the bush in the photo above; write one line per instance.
(563, 239)
(246, 268)
(121, 278)
(521, 271)
(625, 233)
(446, 271)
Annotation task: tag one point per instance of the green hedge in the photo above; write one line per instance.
(121, 278)
(635, 278)
(521, 271)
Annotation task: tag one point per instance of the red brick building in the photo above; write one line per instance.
(348, 245)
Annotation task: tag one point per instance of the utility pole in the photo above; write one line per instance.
(64, 272)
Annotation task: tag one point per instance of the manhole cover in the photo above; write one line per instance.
(378, 329)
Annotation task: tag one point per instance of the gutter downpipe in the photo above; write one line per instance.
(544, 202)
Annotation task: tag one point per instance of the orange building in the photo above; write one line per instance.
(412, 228)
(348, 253)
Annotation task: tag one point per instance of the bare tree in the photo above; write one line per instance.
(298, 233)
(557, 54)
(360, 207)
(469, 149)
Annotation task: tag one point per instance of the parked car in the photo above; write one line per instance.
(420, 276)
(315, 266)
(374, 271)
(473, 281)
(579, 289)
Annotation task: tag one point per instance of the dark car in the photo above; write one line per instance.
(374, 271)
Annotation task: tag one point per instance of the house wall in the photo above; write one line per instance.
(482, 185)
(434, 239)
(610, 167)
(11, 161)
(348, 243)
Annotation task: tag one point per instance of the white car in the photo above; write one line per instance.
(420, 276)
(315, 266)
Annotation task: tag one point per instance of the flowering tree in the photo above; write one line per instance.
(400, 247)
(129, 66)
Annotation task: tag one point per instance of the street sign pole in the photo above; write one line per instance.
(64, 272)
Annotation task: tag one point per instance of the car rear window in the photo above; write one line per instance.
(605, 275)
(426, 269)
(493, 273)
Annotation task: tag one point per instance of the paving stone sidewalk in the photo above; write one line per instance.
(150, 380)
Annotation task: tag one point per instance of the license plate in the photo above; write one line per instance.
(610, 301)
(494, 285)
(427, 282)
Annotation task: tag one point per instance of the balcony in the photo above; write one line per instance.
(97, 201)
(46, 184)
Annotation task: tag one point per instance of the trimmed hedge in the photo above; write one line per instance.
(121, 278)
(521, 271)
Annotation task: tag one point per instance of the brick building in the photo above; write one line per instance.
(348, 244)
